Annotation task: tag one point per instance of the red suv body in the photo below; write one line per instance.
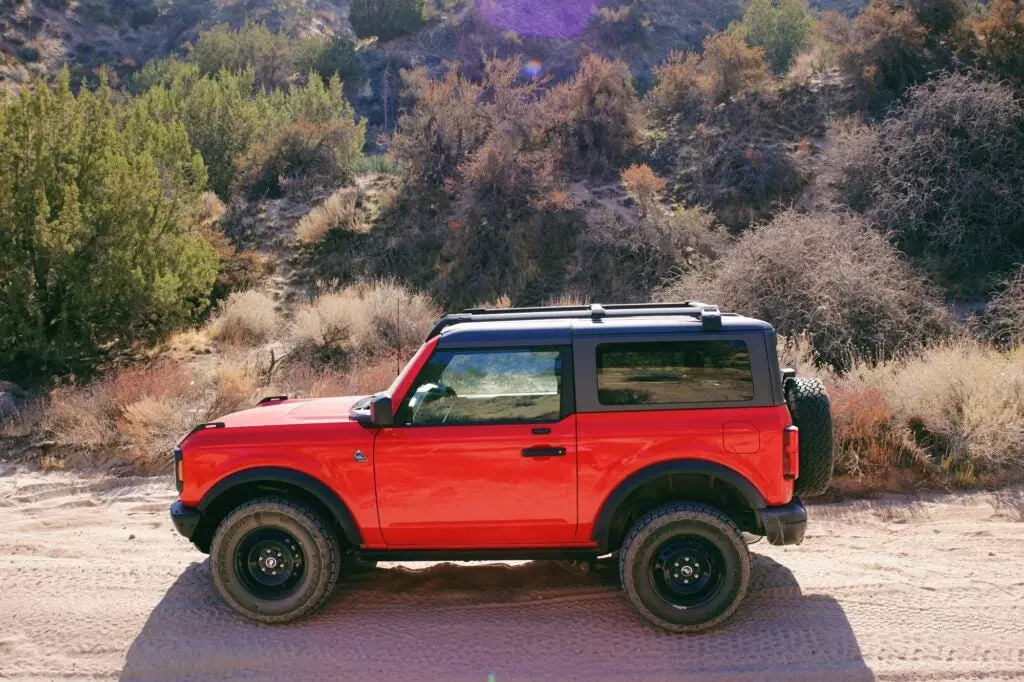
(528, 433)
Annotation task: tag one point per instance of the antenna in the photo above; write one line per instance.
(398, 353)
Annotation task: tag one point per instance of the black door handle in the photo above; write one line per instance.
(543, 452)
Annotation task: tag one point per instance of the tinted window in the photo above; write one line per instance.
(487, 386)
(673, 372)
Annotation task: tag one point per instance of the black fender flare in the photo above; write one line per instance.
(602, 526)
(291, 477)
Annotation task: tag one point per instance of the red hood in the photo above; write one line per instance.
(317, 410)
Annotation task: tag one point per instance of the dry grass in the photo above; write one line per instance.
(369, 321)
(951, 416)
(246, 318)
(339, 211)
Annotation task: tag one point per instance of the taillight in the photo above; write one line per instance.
(790, 453)
(179, 469)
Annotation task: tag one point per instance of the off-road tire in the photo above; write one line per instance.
(320, 552)
(681, 520)
(809, 406)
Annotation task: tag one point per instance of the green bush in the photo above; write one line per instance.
(385, 19)
(100, 245)
(269, 55)
(306, 153)
(226, 114)
(781, 30)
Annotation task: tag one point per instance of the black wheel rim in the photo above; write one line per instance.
(687, 571)
(270, 563)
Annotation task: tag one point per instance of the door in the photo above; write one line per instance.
(483, 452)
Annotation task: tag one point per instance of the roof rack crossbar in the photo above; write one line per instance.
(709, 315)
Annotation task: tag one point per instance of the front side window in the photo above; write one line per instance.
(673, 372)
(487, 386)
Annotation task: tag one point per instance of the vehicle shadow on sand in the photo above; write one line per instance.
(532, 621)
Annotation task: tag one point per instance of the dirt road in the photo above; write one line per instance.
(95, 584)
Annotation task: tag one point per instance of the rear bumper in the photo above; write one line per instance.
(185, 519)
(785, 525)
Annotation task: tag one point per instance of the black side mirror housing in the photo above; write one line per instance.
(381, 413)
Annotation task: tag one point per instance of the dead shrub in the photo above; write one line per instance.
(679, 88)
(595, 115)
(1004, 315)
(246, 318)
(339, 212)
(942, 175)
(827, 274)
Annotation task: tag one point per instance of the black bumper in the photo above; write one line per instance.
(785, 525)
(185, 519)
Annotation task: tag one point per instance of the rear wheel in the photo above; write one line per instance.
(685, 567)
(274, 560)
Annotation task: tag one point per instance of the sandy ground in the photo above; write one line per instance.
(94, 583)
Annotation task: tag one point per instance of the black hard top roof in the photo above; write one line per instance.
(557, 325)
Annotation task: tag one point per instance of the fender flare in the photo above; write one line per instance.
(602, 526)
(291, 477)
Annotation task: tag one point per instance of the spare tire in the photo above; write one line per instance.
(809, 406)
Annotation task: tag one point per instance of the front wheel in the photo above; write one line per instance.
(274, 560)
(685, 567)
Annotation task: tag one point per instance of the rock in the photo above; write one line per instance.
(12, 388)
(8, 405)
(132, 536)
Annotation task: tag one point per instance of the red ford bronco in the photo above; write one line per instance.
(658, 432)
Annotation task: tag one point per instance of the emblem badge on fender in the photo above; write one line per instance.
(359, 456)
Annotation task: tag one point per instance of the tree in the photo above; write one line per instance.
(999, 39)
(99, 245)
(781, 30)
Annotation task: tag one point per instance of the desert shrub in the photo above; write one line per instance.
(133, 417)
(731, 66)
(101, 245)
(624, 258)
(950, 415)
(445, 124)
(678, 86)
(303, 153)
(938, 16)
(339, 211)
(744, 180)
(1004, 315)
(998, 44)
(595, 114)
(886, 52)
(826, 274)
(370, 322)
(620, 25)
(782, 30)
(246, 317)
(643, 185)
(385, 19)
(942, 175)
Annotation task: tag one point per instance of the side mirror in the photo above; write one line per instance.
(380, 411)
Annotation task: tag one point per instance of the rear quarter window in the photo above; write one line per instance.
(674, 372)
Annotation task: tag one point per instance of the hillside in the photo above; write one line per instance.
(280, 197)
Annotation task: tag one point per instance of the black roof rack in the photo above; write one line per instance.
(709, 315)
